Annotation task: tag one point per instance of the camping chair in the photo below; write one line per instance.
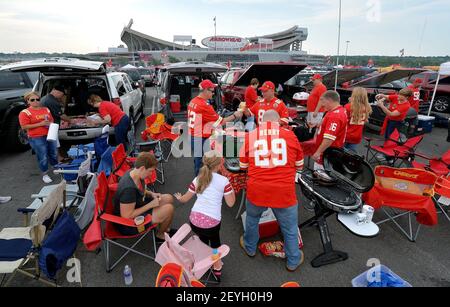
(85, 212)
(193, 255)
(156, 149)
(75, 191)
(157, 129)
(438, 165)
(404, 192)
(442, 188)
(441, 167)
(394, 149)
(122, 164)
(172, 275)
(25, 250)
(106, 161)
(109, 235)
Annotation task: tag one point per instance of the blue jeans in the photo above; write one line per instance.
(391, 126)
(121, 131)
(351, 147)
(287, 219)
(45, 151)
(250, 125)
(197, 145)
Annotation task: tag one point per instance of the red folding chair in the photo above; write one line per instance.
(404, 192)
(158, 130)
(104, 195)
(123, 163)
(441, 167)
(438, 165)
(442, 188)
(393, 150)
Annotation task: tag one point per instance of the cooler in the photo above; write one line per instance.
(268, 225)
(301, 98)
(426, 123)
(175, 104)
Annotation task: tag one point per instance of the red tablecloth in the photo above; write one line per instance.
(237, 180)
(309, 147)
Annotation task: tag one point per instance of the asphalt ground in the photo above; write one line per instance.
(423, 263)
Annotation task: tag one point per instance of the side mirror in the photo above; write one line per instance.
(135, 85)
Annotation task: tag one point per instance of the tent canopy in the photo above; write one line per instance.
(444, 69)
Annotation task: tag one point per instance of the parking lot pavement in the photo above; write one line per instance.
(424, 263)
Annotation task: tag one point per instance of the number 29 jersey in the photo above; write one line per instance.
(272, 156)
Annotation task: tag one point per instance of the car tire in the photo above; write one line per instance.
(441, 104)
(16, 138)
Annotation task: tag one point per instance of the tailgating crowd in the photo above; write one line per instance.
(272, 155)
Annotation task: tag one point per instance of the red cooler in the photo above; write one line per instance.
(175, 104)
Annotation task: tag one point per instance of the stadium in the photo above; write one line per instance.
(281, 46)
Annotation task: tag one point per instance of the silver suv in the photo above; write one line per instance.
(81, 79)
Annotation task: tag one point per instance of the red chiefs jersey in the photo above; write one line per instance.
(272, 155)
(334, 127)
(395, 105)
(260, 108)
(355, 129)
(414, 101)
(251, 96)
(202, 118)
(314, 98)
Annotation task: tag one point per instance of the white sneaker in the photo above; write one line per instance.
(47, 179)
(5, 199)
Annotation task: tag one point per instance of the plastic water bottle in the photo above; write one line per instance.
(215, 256)
(128, 277)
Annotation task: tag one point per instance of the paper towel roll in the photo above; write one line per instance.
(52, 134)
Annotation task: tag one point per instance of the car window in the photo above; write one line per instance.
(223, 79)
(119, 84)
(134, 75)
(127, 83)
(11, 80)
(229, 79)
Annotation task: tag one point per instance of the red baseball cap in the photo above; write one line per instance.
(267, 86)
(316, 77)
(418, 81)
(206, 84)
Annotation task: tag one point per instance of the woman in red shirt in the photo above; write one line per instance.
(36, 120)
(358, 112)
(112, 115)
(397, 111)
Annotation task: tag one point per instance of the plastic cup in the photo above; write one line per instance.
(139, 220)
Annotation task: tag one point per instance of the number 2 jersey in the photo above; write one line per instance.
(272, 155)
(334, 127)
(202, 118)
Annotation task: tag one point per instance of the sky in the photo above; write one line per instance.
(373, 27)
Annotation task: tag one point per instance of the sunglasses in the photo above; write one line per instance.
(34, 99)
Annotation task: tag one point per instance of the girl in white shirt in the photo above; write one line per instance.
(210, 188)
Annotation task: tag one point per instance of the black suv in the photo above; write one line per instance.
(13, 86)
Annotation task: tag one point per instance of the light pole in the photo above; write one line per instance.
(346, 53)
(215, 33)
(339, 44)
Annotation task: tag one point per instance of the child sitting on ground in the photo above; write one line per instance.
(210, 188)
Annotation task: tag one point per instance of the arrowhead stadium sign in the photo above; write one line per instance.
(225, 42)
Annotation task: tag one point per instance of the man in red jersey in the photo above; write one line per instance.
(203, 119)
(414, 100)
(272, 155)
(315, 109)
(334, 126)
(269, 102)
